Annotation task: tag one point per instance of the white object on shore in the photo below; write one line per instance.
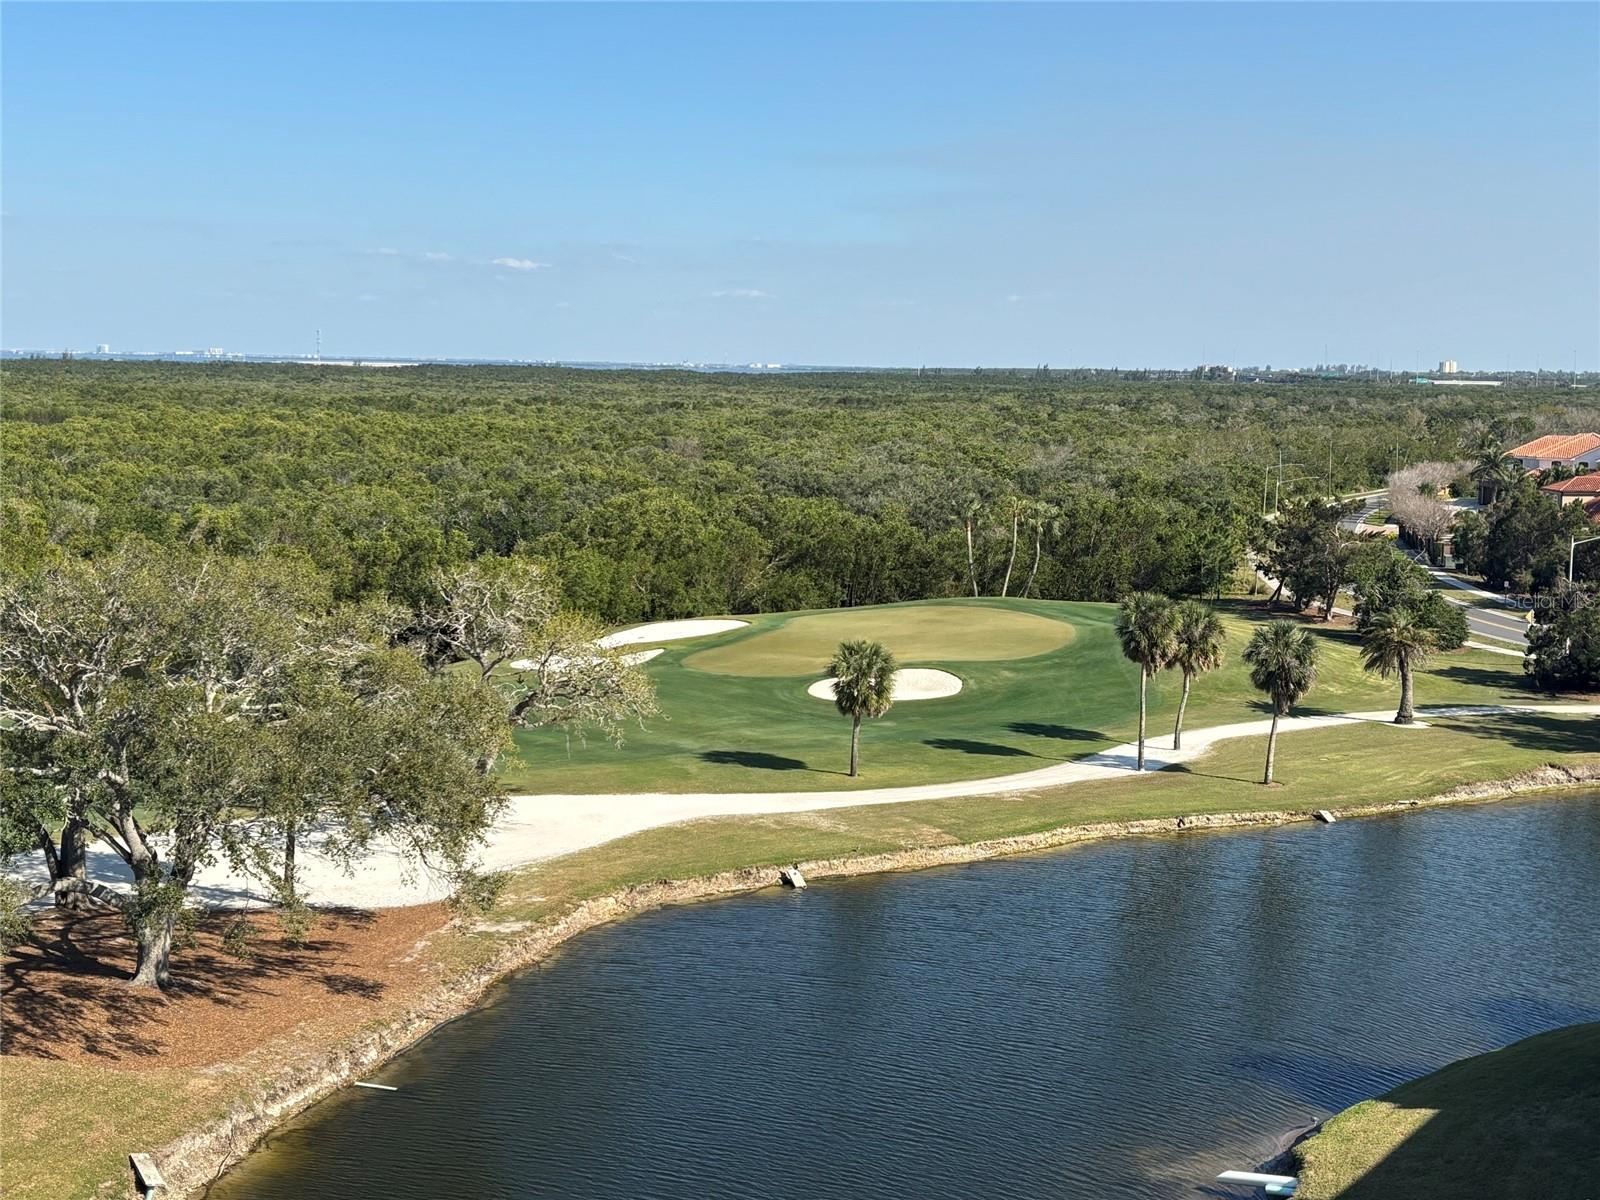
(791, 877)
(1323, 815)
(377, 1087)
(1273, 1185)
(147, 1176)
(910, 683)
(669, 631)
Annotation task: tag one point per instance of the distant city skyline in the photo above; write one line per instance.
(222, 354)
(1130, 185)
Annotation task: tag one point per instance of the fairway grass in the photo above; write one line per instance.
(1515, 1124)
(755, 731)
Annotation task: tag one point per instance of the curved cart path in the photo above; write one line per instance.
(540, 827)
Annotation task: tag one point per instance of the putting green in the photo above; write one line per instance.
(1042, 681)
(943, 634)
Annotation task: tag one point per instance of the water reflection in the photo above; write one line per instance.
(1132, 1015)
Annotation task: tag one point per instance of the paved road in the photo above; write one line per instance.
(1371, 502)
(1487, 614)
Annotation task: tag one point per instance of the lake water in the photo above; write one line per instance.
(1124, 1018)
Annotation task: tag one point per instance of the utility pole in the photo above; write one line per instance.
(319, 347)
(1572, 551)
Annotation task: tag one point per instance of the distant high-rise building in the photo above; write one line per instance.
(102, 348)
(1448, 367)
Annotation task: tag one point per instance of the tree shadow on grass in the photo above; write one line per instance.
(1065, 733)
(1185, 769)
(754, 759)
(1484, 677)
(966, 746)
(1535, 731)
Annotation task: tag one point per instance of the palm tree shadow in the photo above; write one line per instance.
(1065, 733)
(1185, 769)
(1485, 677)
(756, 760)
(967, 746)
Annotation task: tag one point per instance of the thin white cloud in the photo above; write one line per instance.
(741, 294)
(386, 250)
(436, 256)
(620, 257)
(520, 264)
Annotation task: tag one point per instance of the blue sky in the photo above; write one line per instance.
(852, 184)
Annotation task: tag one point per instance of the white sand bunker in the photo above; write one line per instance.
(633, 660)
(669, 631)
(910, 683)
(660, 631)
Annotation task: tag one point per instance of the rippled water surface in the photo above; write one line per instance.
(1130, 1015)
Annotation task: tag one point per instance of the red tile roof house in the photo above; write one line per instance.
(1580, 451)
(1580, 489)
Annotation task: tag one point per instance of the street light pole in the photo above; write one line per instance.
(1572, 551)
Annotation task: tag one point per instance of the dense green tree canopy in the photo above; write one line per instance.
(662, 494)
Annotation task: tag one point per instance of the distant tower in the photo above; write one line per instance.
(1449, 367)
(319, 345)
(102, 348)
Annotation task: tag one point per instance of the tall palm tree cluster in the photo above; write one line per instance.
(1158, 633)
(1187, 636)
(1039, 520)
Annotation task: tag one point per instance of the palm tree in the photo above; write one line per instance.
(1494, 470)
(969, 512)
(1044, 519)
(1283, 663)
(1396, 643)
(1018, 510)
(863, 686)
(1196, 648)
(1145, 628)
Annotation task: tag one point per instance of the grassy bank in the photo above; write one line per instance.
(1332, 768)
(124, 1098)
(1518, 1123)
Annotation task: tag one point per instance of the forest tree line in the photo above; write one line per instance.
(652, 495)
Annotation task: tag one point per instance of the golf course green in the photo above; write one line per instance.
(1042, 681)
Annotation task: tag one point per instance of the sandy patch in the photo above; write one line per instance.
(65, 997)
(669, 631)
(910, 683)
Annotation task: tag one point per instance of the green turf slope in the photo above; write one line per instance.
(1522, 1122)
(1042, 681)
